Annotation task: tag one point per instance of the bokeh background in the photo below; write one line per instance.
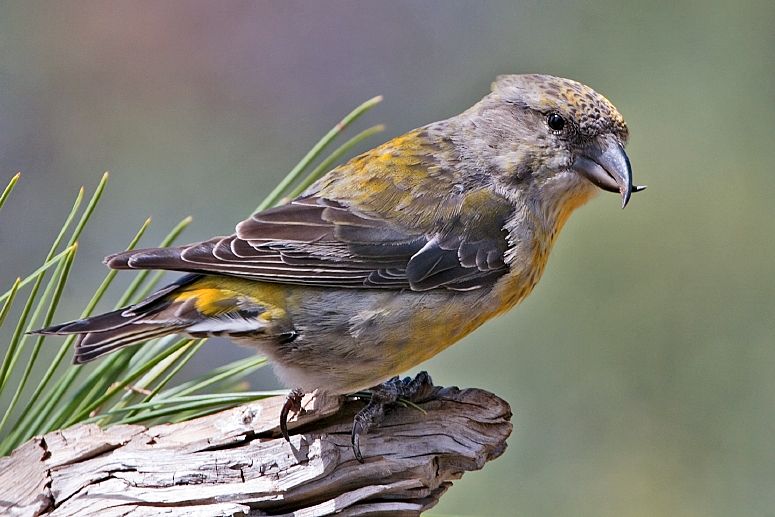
(641, 371)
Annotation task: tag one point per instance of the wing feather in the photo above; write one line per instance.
(389, 231)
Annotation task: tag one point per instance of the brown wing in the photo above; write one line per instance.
(314, 241)
(398, 217)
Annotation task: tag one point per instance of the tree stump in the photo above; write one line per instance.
(235, 463)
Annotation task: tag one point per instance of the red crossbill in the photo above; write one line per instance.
(395, 255)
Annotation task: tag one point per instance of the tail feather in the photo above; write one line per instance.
(102, 323)
(104, 333)
(199, 309)
(96, 344)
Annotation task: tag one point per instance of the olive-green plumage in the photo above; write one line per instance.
(397, 254)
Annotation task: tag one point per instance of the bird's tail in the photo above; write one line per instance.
(99, 335)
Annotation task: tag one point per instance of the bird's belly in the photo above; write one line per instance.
(350, 340)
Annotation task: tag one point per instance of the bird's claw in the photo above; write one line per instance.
(413, 390)
(292, 405)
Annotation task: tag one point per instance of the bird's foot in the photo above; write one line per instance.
(389, 392)
(292, 405)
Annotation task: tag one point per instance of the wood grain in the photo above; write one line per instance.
(235, 463)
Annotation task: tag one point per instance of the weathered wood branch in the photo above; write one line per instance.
(235, 463)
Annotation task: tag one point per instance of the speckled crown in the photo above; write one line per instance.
(590, 111)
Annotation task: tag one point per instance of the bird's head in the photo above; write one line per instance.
(554, 136)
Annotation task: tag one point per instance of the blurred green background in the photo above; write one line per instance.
(641, 372)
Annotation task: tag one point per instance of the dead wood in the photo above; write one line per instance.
(235, 463)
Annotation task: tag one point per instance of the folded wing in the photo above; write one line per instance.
(315, 241)
(397, 217)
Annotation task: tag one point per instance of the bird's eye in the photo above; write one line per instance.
(555, 122)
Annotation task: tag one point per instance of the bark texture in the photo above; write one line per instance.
(235, 463)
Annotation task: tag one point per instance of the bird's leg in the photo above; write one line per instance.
(386, 393)
(292, 405)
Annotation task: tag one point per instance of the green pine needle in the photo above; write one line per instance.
(63, 274)
(281, 190)
(9, 188)
(327, 164)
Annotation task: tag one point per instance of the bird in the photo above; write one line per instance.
(394, 255)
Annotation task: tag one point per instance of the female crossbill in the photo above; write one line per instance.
(393, 256)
